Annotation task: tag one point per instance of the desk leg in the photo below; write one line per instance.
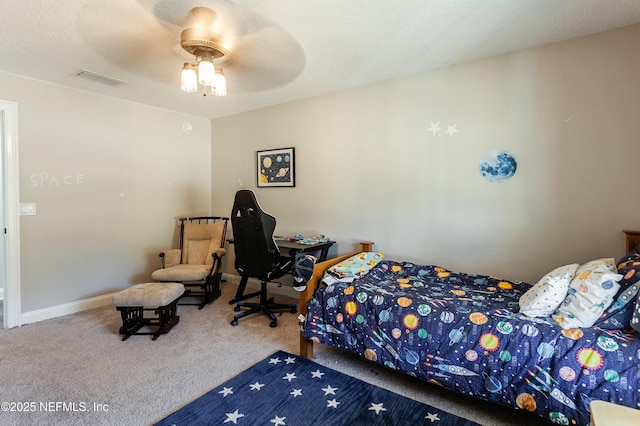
(323, 254)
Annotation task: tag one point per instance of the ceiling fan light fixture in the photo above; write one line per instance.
(188, 78)
(206, 45)
(206, 71)
(220, 86)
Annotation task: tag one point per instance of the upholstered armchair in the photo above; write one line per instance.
(197, 261)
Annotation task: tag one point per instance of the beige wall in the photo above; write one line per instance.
(108, 178)
(369, 168)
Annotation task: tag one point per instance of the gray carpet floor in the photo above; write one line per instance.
(75, 370)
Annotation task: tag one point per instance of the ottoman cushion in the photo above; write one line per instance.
(149, 295)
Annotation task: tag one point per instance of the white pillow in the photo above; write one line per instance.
(543, 299)
(591, 292)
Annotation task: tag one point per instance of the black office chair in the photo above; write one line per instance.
(257, 255)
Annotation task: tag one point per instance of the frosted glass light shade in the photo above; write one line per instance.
(206, 72)
(189, 79)
(220, 87)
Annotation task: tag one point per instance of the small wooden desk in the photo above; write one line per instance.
(293, 247)
(288, 249)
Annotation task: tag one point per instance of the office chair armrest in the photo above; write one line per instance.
(170, 257)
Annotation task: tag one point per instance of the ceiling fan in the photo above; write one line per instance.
(206, 45)
(154, 36)
(256, 53)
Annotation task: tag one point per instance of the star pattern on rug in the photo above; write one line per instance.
(289, 377)
(329, 390)
(377, 407)
(233, 417)
(332, 403)
(256, 386)
(432, 417)
(275, 361)
(278, 421)
(321, 395)
(226, 391)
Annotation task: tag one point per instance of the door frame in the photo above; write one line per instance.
(11, 277)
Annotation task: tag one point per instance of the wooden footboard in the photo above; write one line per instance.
(306, 346)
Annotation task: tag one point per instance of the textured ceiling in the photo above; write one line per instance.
(281, 50)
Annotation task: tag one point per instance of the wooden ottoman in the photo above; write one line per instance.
(161, 298)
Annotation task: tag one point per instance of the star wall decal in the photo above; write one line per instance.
(451, 130)
(436, 130)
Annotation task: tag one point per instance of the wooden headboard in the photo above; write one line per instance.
(633, 240)
(306, 346)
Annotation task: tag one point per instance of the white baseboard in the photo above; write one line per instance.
(65, 309)
(106, 299)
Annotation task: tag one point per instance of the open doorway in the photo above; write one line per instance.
(10, 232)
(2, 244)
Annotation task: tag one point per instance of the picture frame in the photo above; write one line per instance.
(276, 168)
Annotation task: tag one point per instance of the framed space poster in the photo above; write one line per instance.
(276, 167)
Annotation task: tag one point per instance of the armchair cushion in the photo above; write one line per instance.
(200, 241)
(171, 257)
(182, 273)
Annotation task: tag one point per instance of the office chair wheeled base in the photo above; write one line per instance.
(265, 306)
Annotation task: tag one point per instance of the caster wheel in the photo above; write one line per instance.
(273, 324)
(234, 323)
(237, 309)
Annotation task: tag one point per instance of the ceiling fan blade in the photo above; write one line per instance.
(255, 68)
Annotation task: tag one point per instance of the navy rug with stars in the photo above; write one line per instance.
(285, 389)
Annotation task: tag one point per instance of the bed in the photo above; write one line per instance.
(466, 333)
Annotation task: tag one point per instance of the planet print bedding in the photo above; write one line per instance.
(464, 332)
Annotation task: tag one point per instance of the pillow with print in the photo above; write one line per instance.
(591, 292)
(543, 299)
(618, 315)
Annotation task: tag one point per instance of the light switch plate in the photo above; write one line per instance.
(27, 209)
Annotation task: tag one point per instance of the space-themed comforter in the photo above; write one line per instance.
(463, 332)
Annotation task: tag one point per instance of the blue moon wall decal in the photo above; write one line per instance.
(498, 166)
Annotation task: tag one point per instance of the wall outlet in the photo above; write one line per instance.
(27, 209)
